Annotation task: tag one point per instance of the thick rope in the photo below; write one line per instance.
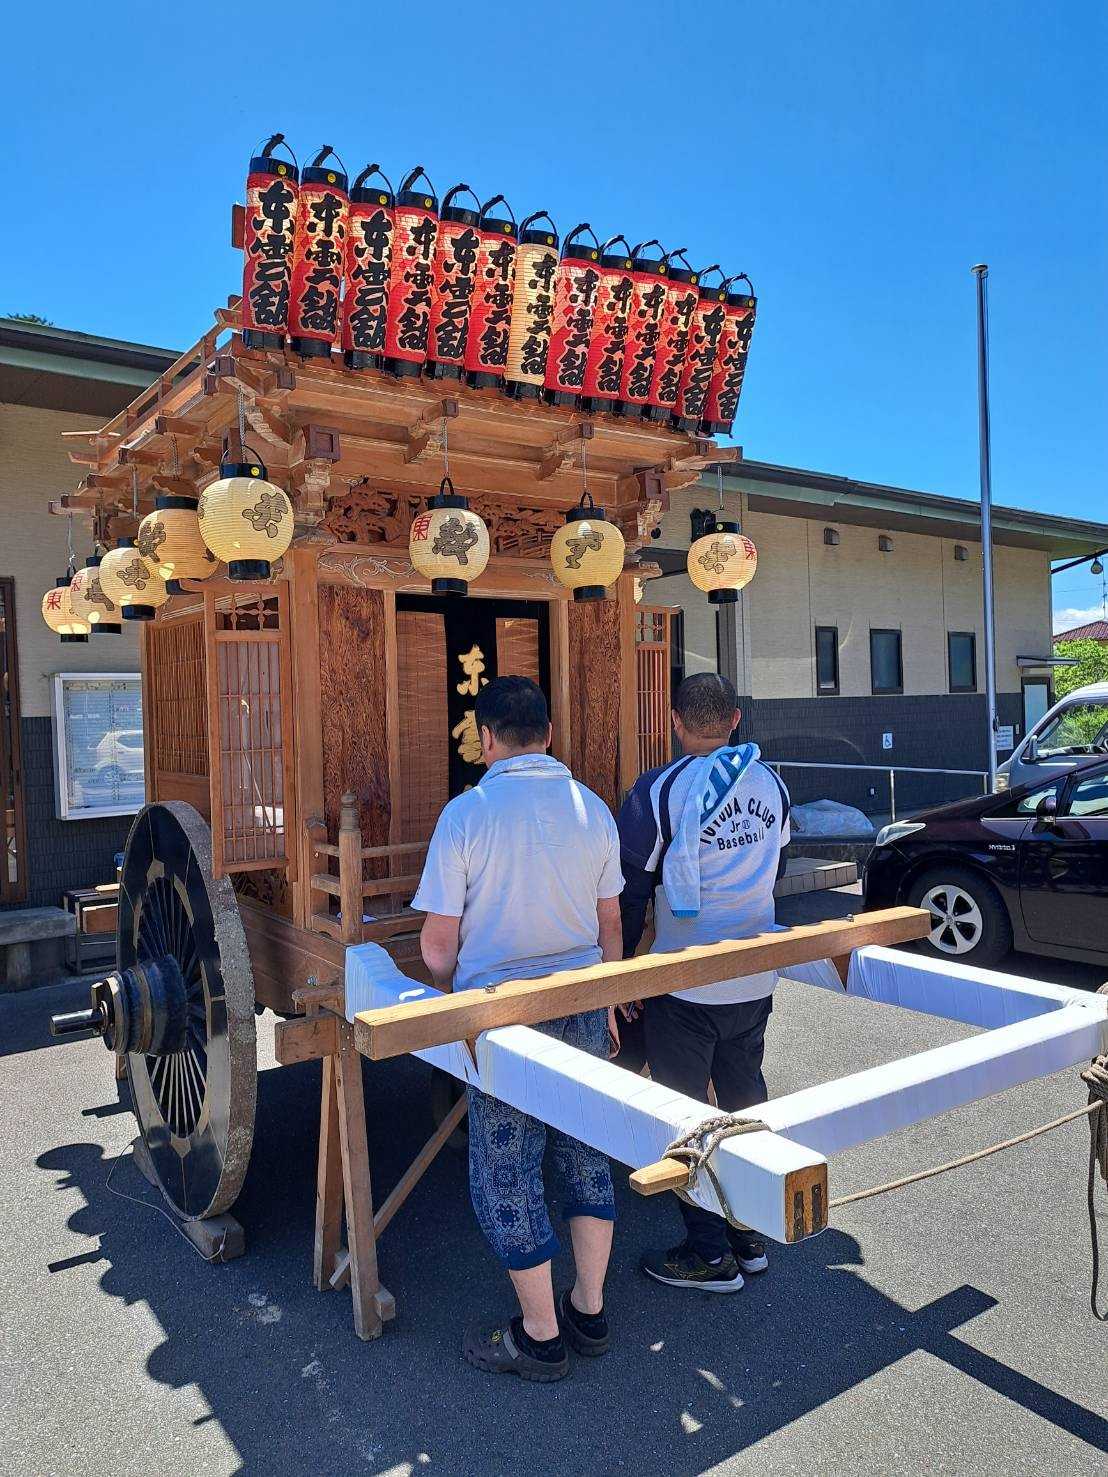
(695, 1148)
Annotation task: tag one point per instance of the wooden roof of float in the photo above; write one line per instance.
(321, 428)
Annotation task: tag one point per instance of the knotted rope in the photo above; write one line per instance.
(695, 1147)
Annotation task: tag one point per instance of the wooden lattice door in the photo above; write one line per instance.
(652, 654)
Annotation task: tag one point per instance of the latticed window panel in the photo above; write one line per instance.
(424, 725)
(517, 647)
(177, 704)
(250, 740)
(653, 658)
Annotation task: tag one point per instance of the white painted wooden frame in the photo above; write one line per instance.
(1030, 1030)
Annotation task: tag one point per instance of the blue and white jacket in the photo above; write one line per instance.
(739, 834)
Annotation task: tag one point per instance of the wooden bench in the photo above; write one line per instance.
(20, 930)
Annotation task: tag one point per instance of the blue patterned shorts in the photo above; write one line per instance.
(505, 1163)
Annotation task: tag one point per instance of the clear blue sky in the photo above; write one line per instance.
(854, 159)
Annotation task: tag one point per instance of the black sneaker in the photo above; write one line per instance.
(585, 1333)
(748, 1251)
(683, 1267)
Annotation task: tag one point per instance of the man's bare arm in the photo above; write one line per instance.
(438, 942)
(610, 928)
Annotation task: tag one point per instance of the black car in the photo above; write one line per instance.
(1023, 869)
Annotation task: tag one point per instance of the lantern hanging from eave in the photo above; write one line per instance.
(411, 275)
(575, 285)
(673, 342)
(91, 602)
(269, 221)
(644, 328)
(135, 585)
(57, 611)
(318, 255)
(490, 318)
(455, 271)
(722, 562)
(170, 541)
(604, 362)
(532, 308)
(449, 543)
(587, 551)
(366, 275)
(245, 520)
(725, 385)
(700, 357)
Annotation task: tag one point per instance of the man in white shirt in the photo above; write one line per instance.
(703, 839)
(522, 878)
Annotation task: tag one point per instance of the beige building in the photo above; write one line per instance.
(51, 381)
(860, 638)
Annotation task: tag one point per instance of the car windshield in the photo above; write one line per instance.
(1080, 729)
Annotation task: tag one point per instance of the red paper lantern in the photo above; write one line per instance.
(604, 364)
(411, 276)
(454, 273)
(532, 308)
(269, 218)
(673, 342)
(644, 328)
(490, 319)
(575, 284)
(318, 252)
(366, 274)
(725, 385)
(700, 359)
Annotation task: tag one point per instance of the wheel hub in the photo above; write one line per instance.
(141, 1008)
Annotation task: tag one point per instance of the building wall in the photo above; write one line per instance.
(34, 468)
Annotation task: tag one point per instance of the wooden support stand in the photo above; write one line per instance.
(342, 1173)
(218, 1238)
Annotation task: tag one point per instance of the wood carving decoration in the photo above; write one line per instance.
(365, 516)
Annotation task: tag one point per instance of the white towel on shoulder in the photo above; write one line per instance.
(701, 789)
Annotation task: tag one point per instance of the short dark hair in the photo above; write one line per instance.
(515, 710)
(705, 702)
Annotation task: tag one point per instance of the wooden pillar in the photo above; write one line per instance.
(329, 1182)
(350, 868)
(307, 710)
(561, 744)
(372, 1304)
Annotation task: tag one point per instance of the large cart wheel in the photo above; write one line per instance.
(180, 1010)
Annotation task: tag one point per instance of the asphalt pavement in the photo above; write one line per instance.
(945, 1328)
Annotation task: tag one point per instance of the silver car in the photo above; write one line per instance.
(1074, 728)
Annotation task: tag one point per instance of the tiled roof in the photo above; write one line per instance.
(1093, 631)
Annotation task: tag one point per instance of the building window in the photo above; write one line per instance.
(827, 659)
(961, 656)
(885, 662)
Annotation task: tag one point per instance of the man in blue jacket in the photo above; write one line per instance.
(702, 839)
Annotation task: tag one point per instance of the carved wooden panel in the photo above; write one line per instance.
(594, 663)
(363, 515)
(352, 693)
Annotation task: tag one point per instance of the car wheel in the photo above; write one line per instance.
(969, 922)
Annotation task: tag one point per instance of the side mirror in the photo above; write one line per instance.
(1030, 754)
(1047, 807)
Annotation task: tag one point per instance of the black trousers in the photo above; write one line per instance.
(688, 1045)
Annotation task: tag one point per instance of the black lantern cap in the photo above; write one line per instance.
(586, 508)
(616, 258)
(449, 587)
(264, 163)
(577, 250)
(499, 225)
(426, 199)
(687, 274)
(445, 498)
(363, 194)
(656, 266)
(168, 500)
(255, 469)
(716, 293)
(589, 592)
(316, 173)
(249, 569)
(460, 213)
(740, 299)
(531, 235)
(137, 612)
(108, 628)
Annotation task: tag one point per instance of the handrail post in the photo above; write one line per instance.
(350, 868)
(892, 793)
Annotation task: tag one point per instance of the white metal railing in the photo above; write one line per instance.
(892, 770)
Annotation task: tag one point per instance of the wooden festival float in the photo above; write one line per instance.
(358, 496)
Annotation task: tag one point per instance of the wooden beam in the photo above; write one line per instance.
(305, 1039)
(437, 1020)
(563, 449)
(329, 1190)
(372, 1304)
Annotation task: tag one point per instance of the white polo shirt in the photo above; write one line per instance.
(522, 859)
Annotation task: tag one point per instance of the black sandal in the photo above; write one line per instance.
(494, 1347)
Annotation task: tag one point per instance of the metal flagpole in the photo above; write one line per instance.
(981, 272)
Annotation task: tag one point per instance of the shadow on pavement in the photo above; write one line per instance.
(692, 1380)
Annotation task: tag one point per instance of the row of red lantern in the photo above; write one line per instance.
(460, 291)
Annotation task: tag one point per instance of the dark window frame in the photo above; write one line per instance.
(971, 636)
(876, 691)
(833, 689)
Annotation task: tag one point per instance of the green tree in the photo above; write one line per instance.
(1092, 665)
(31, 318)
